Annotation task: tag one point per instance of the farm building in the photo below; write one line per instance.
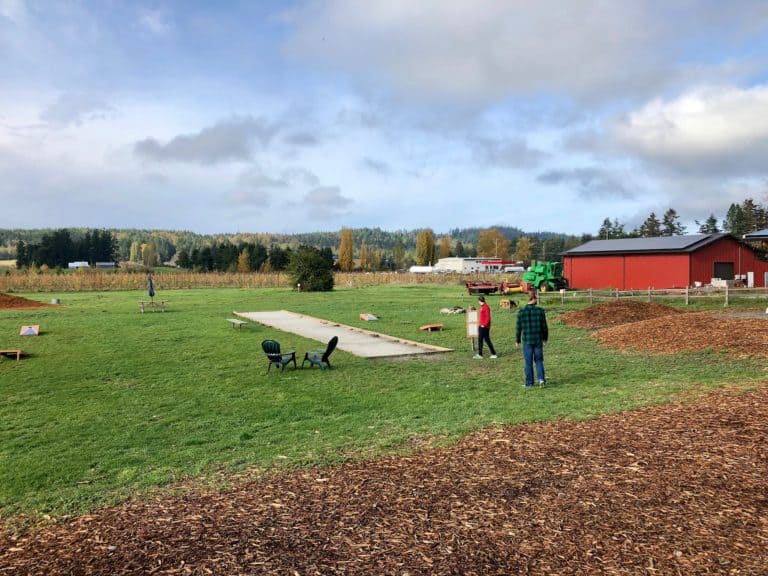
(663, 262)
(470, 265)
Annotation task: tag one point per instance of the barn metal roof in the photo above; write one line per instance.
(687, 243)
(757, 235)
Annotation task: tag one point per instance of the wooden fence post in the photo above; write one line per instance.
(590, 296)
(726, 296)
(649, 293)
(686, 295)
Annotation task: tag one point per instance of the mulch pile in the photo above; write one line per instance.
(8, 301)
(614, 313)
(690, 332)
(673, 489)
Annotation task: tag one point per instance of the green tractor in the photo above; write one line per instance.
(544, 276)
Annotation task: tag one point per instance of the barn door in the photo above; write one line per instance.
(723, 270)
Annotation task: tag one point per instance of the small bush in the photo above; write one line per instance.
(311, 270)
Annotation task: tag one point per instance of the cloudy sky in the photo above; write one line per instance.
(280, 116)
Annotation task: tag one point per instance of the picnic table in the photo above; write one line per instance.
(154, 305)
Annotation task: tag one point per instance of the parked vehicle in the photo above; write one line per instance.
(544, 276)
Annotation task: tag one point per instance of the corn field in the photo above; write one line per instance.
(89, 281)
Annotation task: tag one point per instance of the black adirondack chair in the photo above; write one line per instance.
(321, 357)
(275, 356)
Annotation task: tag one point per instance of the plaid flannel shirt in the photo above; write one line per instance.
(531, 325)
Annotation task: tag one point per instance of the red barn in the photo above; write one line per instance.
(663, 262)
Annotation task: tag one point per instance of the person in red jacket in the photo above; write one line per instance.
(484, 329)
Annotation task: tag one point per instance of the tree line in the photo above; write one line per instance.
(58, 248)
(740, 219)
(367, 249)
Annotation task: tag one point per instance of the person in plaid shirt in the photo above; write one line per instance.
(532, 330)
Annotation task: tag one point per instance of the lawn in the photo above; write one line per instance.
(113, 403)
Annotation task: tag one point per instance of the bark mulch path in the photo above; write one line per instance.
(672, 489)
(7, 301)
(614, 313)
(688, 332)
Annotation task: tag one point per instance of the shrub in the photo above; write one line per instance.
(311, 270)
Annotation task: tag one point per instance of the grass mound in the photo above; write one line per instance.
(615, 313)
(8, 301)
(690, 332)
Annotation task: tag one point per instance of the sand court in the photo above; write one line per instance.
(357, 341)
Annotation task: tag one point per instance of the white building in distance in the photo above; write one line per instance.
(459, 265)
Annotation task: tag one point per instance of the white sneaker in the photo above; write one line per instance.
(494, 356)
(477, 357)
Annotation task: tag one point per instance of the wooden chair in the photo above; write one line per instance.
(320, 357)
(275, 356)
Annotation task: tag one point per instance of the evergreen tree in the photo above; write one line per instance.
(459, 249)
(183, 260)
(258, 254)
(735, 222)
(310, 269)
(709, 226)
(398, 254)
(670, 225)
(650, 228)
(279, 257)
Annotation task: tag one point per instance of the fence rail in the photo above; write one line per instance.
(687, 295)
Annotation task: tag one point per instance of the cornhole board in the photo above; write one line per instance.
(30, 331)
(431, 327)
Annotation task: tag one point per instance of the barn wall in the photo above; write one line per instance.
(627, 272)
(643, 271)
(594, 271)
(727, 250)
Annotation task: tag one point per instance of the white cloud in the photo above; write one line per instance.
(723, 130)
(71, 108)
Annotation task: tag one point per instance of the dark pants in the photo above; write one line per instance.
(484, 334)
(533, 354)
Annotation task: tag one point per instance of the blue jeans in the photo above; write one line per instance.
(533, 353)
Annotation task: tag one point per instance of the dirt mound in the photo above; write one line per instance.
(615, 312)
(8, 301)
(675, 489)
(691, 332)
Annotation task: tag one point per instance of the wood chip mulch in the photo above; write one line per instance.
(8, 301)
(688, 332)
(675, 489)
(614, 313)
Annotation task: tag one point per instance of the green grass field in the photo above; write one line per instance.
(113, 403)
